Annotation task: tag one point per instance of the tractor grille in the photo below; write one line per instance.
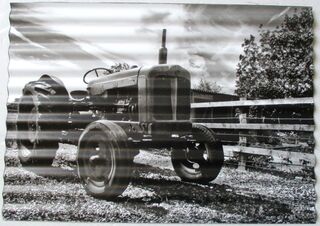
(171, 98)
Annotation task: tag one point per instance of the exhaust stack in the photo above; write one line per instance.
(163, 50)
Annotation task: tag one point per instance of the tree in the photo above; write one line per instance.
(280, 65)
(119, 67)
(208, 86)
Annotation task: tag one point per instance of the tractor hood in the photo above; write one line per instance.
(130, 77)
(119, 79)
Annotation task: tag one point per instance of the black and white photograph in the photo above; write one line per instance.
(160, 113)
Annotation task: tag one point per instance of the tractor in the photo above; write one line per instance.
(118, 115)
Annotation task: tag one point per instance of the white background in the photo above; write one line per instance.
(4, 59)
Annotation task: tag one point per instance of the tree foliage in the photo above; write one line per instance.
(208, 86)
(280, 64)
(119, 67)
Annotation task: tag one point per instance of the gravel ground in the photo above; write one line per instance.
(156, 195)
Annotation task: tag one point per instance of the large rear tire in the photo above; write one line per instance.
(202, 160)
(35, 145)
(104, 160)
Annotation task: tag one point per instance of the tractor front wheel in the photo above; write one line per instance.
(104, 160)
(202, 159)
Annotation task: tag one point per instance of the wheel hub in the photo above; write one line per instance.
(196, 165)
(25, 153)
(97, 166)
(194, 154)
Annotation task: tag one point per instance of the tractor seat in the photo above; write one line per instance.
(78, 95)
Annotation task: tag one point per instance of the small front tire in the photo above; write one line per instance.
(202, 160)
(104, 160)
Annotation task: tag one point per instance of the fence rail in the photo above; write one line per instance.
(248, 103)
(296, 158)
(254, 126)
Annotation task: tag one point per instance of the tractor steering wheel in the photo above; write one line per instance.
(95, 70)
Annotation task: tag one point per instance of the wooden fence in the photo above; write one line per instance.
(246, 127)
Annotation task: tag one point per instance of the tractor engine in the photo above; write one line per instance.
(125, 108)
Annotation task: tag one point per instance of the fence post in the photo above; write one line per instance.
(242, 142)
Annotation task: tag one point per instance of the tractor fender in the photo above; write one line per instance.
(48, 91)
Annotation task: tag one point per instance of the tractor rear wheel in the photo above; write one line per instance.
(202, 159)
(104, 160)
(35, 146)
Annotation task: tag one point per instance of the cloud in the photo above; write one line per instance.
(197, 62)
(206, 54)
(145, 30)
(155, 17)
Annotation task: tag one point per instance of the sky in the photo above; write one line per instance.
(68, 39)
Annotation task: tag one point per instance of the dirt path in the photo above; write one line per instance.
(156, 194)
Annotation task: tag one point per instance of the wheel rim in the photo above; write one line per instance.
(195, 158)
(98, 163)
